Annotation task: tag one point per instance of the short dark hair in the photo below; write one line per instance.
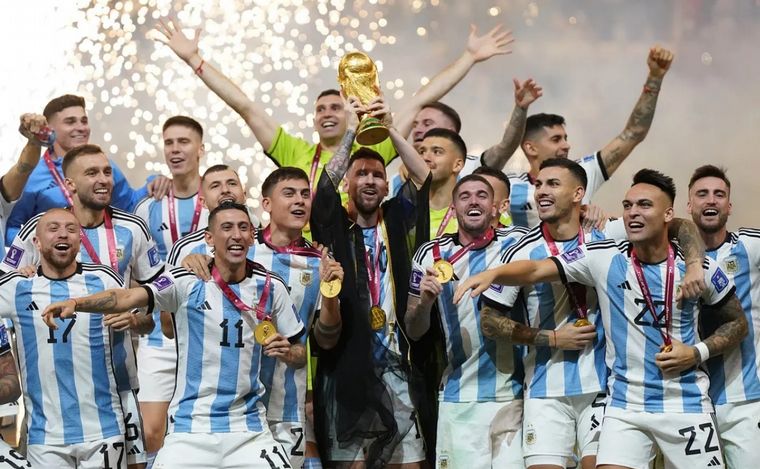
(537, 122)
(657, 179)
(60, 103)
(576, 169)
(707, 171)
(328, 92)
(451, 136)
(364, 153)
(484, 170)
(76, 152)
(227, 205)
(217, 168)
(470, 178)
(183, 121)
(448, 111)
(284, 173)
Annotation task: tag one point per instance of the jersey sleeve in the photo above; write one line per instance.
(386, 150)
(575, 266)
(615, 230)
(595, 172)
(164, 291)
(420, 262)
(21, 253)
(751, 240)
(5, 344)
(147, 260)
(284, 312)
(503, 295)
(288, 150)
(719, 285)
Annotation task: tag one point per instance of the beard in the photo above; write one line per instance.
(90, 203)
(60, 262)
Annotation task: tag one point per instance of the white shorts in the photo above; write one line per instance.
(410, 449)
(11, 457)
(687, 441)
(134, 429)
(10, 409)
(739, 428)
(479, 434)
(236, 450)
(90, 455)
(291, 436)
(554, 426)
(157, 369)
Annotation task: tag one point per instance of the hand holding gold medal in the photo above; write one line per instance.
(331, 275)
(264, 331)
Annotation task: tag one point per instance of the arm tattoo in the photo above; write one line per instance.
(104, 302)
(732, 330)
(296, 356)
(338, 164)
(498, 155)
(689, 239)
(637, 126)
(10, 389)
(496, 326)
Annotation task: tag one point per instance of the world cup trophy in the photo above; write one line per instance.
(357, 75)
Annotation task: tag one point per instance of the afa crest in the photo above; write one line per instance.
(731, 265)
(306, 277)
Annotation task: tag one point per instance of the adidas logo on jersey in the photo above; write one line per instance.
(163, 227)
(134, 450)
(32, 307)
(527, 207)
(714, 462)
(625, 285)
(594, 422)
(206, 306)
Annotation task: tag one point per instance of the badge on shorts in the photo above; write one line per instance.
(731, 265)
(443, 462)
(306, 277)
(530, 436)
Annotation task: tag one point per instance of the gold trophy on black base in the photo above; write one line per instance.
(357, 75)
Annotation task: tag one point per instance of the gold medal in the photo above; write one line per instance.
(376, 318)
(330, 289)
(582, 322)
(666, 348)
(444, 271)
(264, 331)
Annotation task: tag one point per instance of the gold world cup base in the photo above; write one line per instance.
(371, 131)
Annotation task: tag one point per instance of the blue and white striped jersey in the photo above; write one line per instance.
(156, 215)
(5, 211)
(192, 243)
(137, 258)
(218, 388)
(735, 375)
(522, 204)
(286, 386)
(553, 372)
(67, 375)
(633, 338)
(479, 369)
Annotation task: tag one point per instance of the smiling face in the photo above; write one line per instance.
(557, 193)
(221, 186)
(550, 142)
(429, 118)
(289, 204)
(474, 207)
(57, 238)
(230, 235)
(709, 204)
(646, 212)
(367, 186)
(72, 128)
(330, 117)
(90, 178)
(442, 157)
(182, 150)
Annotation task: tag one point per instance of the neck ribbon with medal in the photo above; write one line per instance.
(667, 344)
(445, 222)
(173, 222)
(265, 329)
(377, 316)
(575, 291)
(110, 237)
(444, 268)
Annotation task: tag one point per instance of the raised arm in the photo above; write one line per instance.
(264, 127)
(525, 93)
(615, 152)
(687, 234)
(338, 165)
(516, 273)
(329, 324)
(110, 301)
(13, 182)
(478, 49)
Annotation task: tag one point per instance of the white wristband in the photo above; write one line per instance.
(704, 352)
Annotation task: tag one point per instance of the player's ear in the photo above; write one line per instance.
(669, 214)
(208, 238)
(70, 186)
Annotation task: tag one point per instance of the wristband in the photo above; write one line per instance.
(704, 352)
(199, 68)
(649, 90)
(554, 332)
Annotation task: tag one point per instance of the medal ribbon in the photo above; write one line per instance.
(575, 291)
(297, 247)
(445, 221)
(313, 173)
(474, 244)
(110, 238)
(57, 177)
(669, 282)
(373, 269)
(232, 296)
(173, 219)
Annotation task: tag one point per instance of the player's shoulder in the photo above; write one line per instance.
(528, 241)
(11, 277)
(511, 231)
(27, 229)
(611, 245)
(102, 271)
(444, 242)
(259, 272)
(130, 220)
(591, 158)
(518, 176)
(186, 242)
(142, 208)
(752, 234)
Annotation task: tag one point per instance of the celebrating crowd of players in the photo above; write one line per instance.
(439, 313)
